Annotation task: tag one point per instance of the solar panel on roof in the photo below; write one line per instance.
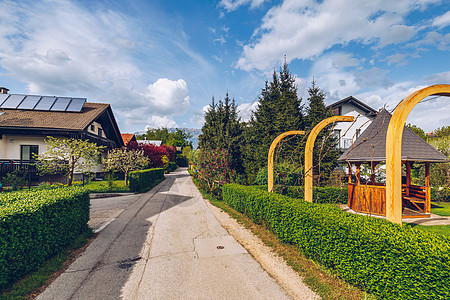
(61, 104)
(29, 102)
(45, 103)
(3, 98)
(76, 105)
(13, 101)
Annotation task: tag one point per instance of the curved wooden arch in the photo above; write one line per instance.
(270, 157)
(394, 148)
(309, 151)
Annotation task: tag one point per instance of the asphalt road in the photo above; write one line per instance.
(164, 244)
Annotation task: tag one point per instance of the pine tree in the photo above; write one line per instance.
(279, 110)
(223, 130)
(325, 150)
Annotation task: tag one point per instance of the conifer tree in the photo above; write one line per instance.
(325, 150)
(279, 110)
(223, 130)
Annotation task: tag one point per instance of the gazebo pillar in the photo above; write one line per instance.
(427, 189)
(408, 176)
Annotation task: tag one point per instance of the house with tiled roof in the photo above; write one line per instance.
(27, 120)
(127, 138)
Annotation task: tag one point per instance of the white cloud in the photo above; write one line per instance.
(231, 5)
(61, 48)
(168, 97)
(397, 34)
(160, 121)
(439, 78)
(305, 29)
(245, 110)
(442, 21)
(397, 59)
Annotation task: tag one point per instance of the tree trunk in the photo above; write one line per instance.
(126, 178)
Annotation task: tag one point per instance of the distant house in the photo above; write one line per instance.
(127, 138)
(348, 132)
(26, 121)
(149, 142)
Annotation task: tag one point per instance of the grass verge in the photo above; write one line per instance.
(439, 229)
(441, 208)
(34, 283)
(117, 186)
(318, 278)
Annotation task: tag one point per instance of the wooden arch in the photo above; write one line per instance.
(270, 157)
(309, 151)
(394, 148)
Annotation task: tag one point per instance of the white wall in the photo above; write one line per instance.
(10, 147)
(348, 129)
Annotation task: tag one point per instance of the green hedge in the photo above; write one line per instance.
(143, 180)
(37, 224)
(320, 194)
(382, 258)
(172, 167)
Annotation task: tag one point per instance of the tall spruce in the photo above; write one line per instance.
(223, 130)
(279, 110)
(325, 150)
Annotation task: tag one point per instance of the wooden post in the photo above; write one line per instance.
(309, 151)
(270, 156)
(427, 207)
(349, 173)
(373, 164)
(408, 177)
(394, 148)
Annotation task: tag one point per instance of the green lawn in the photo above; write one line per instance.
(103, 187)
(442, 208)
(439, 229)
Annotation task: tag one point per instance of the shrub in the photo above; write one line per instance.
(284, 174)
(323, 195)
(380, 257)
(182, 161)
(37, 224)
(15, 180)
(144, 180)
(171, 167)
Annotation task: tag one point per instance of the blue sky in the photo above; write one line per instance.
(158, 63)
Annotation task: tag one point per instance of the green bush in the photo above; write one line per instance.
(382, 258)
(320, 194)
(171, 167)
(182, 160)
(283, 174)
(143, 180)
(440, 195)
(37, 224)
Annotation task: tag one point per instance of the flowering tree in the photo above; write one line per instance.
(215, 168)
(67, 155)
(125, 161)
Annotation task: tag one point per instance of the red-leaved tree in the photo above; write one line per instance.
(155, 153)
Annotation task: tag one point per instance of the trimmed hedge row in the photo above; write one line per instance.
(143, 180)
(382, 258)
(320, 194)
(172, 167)
(37, 224)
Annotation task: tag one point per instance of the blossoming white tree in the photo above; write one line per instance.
(125, 161)
(67, 155)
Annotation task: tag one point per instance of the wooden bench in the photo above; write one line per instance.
(415, 200)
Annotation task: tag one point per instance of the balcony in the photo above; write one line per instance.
(24, 166)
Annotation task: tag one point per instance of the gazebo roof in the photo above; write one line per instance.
(371, 144)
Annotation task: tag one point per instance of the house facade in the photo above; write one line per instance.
(348, 132)
(27, 120)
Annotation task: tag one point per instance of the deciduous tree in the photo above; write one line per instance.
(67, 155)
(125, 161)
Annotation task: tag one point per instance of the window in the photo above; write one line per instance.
(337, 111)
(93, 127)
(337, 133)
(27, 151)
(100, 132)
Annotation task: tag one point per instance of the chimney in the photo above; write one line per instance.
(3, 90)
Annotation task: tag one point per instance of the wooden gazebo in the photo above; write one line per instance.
(370, 148)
